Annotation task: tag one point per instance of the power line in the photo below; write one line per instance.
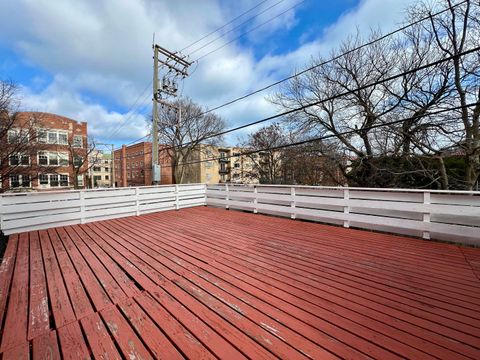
(324, 137)
(334, 97)
(303, 107)
(393, 77)
(249, 31)
(124, 121)
(235, 28)
(224, 25)
(334, 58)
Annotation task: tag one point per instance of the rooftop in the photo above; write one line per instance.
(204, 282)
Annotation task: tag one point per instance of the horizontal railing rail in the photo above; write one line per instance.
(21, 212)
(438, 214)
(443, 215)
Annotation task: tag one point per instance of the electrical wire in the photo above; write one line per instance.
(130, 112)
(224, 25)
(249, 31)
(235, 28)
(363, 87)
(324, 137)
(326, 62)
(334, 58)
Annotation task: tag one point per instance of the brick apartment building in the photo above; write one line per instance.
(133, 165)
(100, 169)
(47, 143)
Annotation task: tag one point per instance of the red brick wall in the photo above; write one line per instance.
(139, 165)
(53, 122)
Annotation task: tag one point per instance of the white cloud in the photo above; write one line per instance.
(103, 49)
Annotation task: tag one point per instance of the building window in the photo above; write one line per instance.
(63, 159)
(14, 181)
(62, 138)
(107, 169)
(12, 138)
(78, 141)
(43, 179)
(52, 137)
(42, 158)
(96, 168)
(63, 180)
(53, 159)
(20, 181)
(77, 161)
(80, 180)
(237, 165)
(42, 136)
(107, 177)
(17, 136)
(54, 180)
(19, 160)
(26, 181)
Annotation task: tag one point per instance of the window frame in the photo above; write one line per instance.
(77, 144)
(20, 181)
(62, 158)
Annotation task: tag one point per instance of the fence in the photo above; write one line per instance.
(443, 215)
(31, 211)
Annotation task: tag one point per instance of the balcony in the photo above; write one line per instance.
(151, 272)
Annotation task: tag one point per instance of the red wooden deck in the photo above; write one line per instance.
(209, 283)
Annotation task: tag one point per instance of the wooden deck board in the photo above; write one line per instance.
(205, 283)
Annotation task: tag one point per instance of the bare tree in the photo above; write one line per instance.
(313, 163)
(353, 96)
(454, 32)
(187, 133)
(81, 157)
(18, 136)
(266, 165)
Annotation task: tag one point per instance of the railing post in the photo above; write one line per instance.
(205, 187)
(1, 212)
(292, 202)
(82, 206)
(426, 215)
(346, 208)
(255, 200)
(137, 201)
(177, 205)
(227, 196)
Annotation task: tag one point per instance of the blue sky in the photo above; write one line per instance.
(91, 59)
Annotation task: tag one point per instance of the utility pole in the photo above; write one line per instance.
(155, 164)
(175, 66)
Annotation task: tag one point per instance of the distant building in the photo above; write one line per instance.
(235, 167)
(133, 165)
(100, 170)
(226, 165)
(51, 139)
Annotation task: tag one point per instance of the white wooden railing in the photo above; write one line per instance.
(41, 210)
(443, 215)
